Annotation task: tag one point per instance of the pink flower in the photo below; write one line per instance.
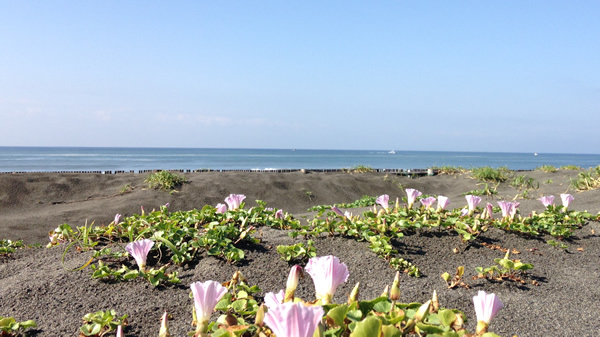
(221, 208)
(443, 202)
(119, 331)
(234, 201)
(274, 299)
(464, 212)
(117, 218)
(427, 202)
(486, 308)
(513, 210)
(293, 319)
(489, 208)
(472, 202)
(348, 215)
(327, 273)
(566, 199)
(206, 296)
(411, 196)
(279, 214)
(547, 200)
(384, 201)
(506, 207)
(139, 250)
(337, 210)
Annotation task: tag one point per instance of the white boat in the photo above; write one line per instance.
(392, 152)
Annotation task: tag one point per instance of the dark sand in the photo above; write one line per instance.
(34, 285)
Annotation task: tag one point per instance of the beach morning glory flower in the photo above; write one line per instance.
(221, 208)
(272, 299)
(443, 202)
(490, 211)
(428, 202)
(337, 210)
(119, 331)
(327, 273)
(294, 319)
(472, 202)
(383, 201)
(139, 250)
(513, 210)
(411, 196)
(206, 296)
(547, 200)
(234, 201)
(566, 199)
(279, 214)
(506, 208)
(117, 218)
(486, 308)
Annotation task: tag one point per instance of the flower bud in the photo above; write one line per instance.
(423, 311)
(164, 326)
(386, 291)
(395, 290)
(354, 294)
(260, 315)
(292, 283)
(435, 304)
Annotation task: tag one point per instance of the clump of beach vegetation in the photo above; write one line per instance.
(164, 180)
(449, 169)
(588, 180)
(490, 174)
(547, 168)
(360, 169)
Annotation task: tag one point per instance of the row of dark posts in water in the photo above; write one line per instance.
(419, 172)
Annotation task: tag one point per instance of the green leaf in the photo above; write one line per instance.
(221, 333)
(369, 327)
(91, 329)
(367, 306)
(7, 321)
(223, 304)
(430, 329)
(450, 334)
(338, 314)
(447, 317)
(383, 306)
(354, 315)
(239, 305)
(390, 331)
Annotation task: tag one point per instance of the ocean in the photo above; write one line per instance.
(60, 159)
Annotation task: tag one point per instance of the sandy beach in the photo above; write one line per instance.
(34, 284)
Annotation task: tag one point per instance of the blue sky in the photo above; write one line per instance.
(508, 76)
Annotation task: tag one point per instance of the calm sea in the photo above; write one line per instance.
(51, 159)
